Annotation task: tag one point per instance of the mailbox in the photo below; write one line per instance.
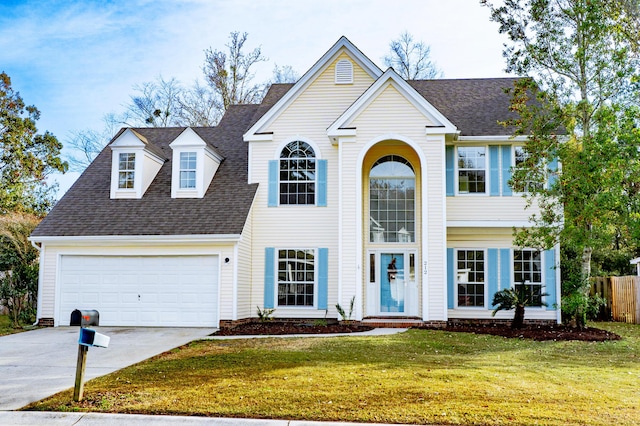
(85, 318)
(90, 337)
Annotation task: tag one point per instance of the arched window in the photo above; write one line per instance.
(297, 174)
(392, 188)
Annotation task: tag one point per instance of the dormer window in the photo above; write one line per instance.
(126, 170)
(134, 164)
(194, 164)
(188, 170)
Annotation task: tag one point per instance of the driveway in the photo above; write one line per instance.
(36, 364)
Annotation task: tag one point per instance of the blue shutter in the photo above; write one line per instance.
(492, 274)
(321, 183)
(451, 276)
(494, 170)
(550, 277)
(323, 278)
(449, 154)
(269, 277)
(553, 170)
(273, 183)
(506, 170)
(505, 268)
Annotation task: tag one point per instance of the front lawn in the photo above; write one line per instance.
(419, 377)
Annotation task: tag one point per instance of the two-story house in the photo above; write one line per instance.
(350, 184)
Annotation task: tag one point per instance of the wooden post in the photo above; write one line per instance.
(82, 358)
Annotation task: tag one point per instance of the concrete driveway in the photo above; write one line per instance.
(36, 364)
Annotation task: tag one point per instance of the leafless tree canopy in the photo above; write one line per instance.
(411, 59)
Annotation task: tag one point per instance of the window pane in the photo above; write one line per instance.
(470, 278)
(392, 201)
(471, 169)
(527, 276)
(297, 174)
(296, 277)
(126, 170)
(187, 177)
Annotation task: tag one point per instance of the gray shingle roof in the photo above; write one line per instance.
(87, 210)
(475, 106)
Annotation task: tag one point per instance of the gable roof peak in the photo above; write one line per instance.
(343, 44)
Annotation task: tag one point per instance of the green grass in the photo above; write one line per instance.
(416, 377)
(6, 326)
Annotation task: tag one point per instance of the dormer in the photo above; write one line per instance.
(194, 165)
(134, 165)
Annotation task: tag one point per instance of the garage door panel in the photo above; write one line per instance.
(141, 290)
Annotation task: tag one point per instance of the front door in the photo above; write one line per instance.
(392, 282)
(392, 289)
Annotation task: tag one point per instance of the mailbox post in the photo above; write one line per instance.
(88, 337)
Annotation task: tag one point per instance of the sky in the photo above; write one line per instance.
(77, 61)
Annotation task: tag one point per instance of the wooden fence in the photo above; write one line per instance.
(622, 295)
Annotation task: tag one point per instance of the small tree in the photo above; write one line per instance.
(18, 267)
(583, 57)
(515, 298)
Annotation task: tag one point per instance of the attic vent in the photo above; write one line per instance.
(344, 72)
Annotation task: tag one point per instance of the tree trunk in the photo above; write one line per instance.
(518, 317)
(586, 263)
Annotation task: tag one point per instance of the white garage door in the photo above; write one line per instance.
(172, 291)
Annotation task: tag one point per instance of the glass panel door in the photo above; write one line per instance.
(392, 282)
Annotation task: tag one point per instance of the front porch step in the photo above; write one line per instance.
(383, 322)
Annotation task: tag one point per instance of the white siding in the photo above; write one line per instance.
(479, 237)
(393, 115)
(301, 226)
(487, 208)
(246, 304)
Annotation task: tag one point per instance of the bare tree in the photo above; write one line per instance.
(156, 104)
(284, 74)
(86, 144)
(162, 103)
(411, 59)
(230, 75)
(199, 107)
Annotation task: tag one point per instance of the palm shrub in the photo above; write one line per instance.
(342, 313)
(517, 298)
(265, 314)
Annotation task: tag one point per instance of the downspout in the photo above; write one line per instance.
(340, 224)
(40, 269)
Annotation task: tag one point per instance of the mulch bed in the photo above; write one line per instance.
(288, 327)
(538, 332)
(535, 332)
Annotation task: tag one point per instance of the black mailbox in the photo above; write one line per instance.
(85, 318)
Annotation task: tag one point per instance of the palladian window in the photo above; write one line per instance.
(392, 187)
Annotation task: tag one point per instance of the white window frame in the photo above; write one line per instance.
(376, 230)
(458, 169)
(541, 283)
(315, 180)
(193, 172)
(515, 163)
(296, 282)
(483, 283)
(130, 161)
